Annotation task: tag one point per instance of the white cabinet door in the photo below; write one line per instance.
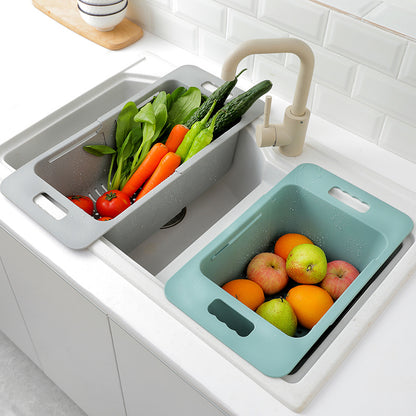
(71, 336)
(11, 320)
(152, 388)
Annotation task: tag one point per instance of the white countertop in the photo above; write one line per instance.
(44, 67)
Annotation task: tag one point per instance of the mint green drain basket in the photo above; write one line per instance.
(302, 202)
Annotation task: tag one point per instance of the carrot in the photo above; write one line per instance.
(176, 136)
(145, 169)
(165, 168)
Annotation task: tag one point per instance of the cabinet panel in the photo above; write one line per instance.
(11, 320)
(152, 388)
(71, 336)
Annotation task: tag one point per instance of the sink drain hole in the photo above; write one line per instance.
(175, 220)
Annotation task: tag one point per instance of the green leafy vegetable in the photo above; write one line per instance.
(153, 116)
(183, 106)
(125, 122)
(138, 128)
(99, 149)
(131, 142)
(173, 96)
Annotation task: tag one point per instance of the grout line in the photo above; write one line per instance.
(364, 20)
(377, 6)
(399, 68)
(382, 128)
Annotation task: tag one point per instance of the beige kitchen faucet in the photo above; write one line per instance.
(289, 136)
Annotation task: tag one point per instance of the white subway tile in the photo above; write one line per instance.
(408, 69)
(301, 17)
(354, 7)
(284, 81)
(347, 113)
(204, 13)
(246, 6)
(163, 3)
(399, 138)
(139, 13)
(365, 43)
(218, 49)
(395, 18)
(386, 94)
(173, 29)
(330, 69)
(242, 27)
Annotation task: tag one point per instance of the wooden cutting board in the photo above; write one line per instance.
(66, 13)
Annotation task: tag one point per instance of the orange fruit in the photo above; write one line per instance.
(309, 303)
(246, 291)
(286, 242)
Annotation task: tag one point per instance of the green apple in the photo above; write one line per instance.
(307, 264)
(280, 314)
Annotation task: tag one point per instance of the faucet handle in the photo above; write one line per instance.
(267, 108)
(266, 133)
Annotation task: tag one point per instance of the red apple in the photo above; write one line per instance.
(269, 271)
(339, 275)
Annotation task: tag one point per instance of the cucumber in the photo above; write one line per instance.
(232, 112)
(219, 95)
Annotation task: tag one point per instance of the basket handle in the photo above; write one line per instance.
(348, 197)
(51, 209)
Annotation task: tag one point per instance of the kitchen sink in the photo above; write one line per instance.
(149, 263)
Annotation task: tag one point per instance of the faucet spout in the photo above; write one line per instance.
(297, 115)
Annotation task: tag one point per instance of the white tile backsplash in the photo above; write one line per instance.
(207, 14)
(399, 138)
(242, 27)
(365, 44)
(364, 78)
(283, 79)
(246, 6)
(331, 69)
(354, 7)
(391, 97)
(348, 113)
(396, 18)
(217, 49)
(168, 26)
(164, 3)
(408, 69)
(301, 17)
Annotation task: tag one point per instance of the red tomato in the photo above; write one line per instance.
(104, 219)
(84, 202)
(112, 203)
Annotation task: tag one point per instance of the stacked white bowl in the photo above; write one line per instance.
(104, 15)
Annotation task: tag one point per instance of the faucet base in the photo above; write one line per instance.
(289, 137)
(291, 134)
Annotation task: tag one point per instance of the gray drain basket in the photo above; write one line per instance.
(67, 169)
